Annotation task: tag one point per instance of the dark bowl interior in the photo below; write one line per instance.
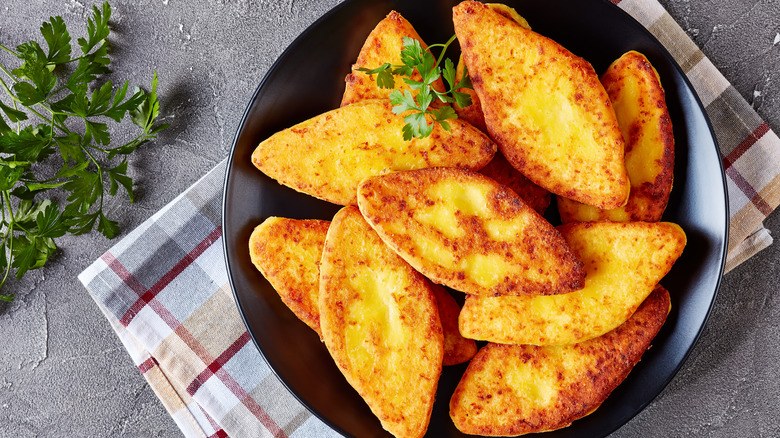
(308, 79)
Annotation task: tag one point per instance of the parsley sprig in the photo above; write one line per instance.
(49, 116)
(416, 58)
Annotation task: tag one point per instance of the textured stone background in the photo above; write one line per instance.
(64, 373)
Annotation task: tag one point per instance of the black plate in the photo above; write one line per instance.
(308, 79)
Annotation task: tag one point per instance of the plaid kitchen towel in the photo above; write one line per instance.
(164, 287)
(750, 150)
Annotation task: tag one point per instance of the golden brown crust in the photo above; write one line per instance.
(287, 252)
(457, 349)
(464, 230)
(544, 107)
(502, 172)
(623, 263)
(380, 323)
(328, 155)
(473, 113)
(639, 100)
(511, 390)
(383, 44)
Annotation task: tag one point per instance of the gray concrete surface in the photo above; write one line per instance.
(63, 373)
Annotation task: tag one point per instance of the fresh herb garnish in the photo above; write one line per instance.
(48, 111)
(415, 58)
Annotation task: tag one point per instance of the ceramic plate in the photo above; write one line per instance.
(308, 79)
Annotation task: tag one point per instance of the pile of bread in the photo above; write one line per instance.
(562, 313)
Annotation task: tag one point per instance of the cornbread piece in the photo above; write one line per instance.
(473, 113)
(623, 263)
(466, 231)
(510, 390)
(384, 44)
(457, 349)
(502, 172)
(328, 155)
(544, 106)
(287, 252)
(639, 100)
(380, 323)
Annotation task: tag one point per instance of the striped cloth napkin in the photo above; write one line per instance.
(164, 287)
(750, 149)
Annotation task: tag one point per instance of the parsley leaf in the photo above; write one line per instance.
(403, 102)
(33, 143)
(49, 222)
(98, 131)
(384, 74)
(89, 68)
(4, 128)
(415, 58)
(31, 93)
(9, 176)
(29, 221)
(57, 40)
(449, 72)
(416, 126)
(25, 254)
(108, 227)
(118, 175)
(97, 28)
(13, 115)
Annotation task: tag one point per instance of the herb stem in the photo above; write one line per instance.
(8, 90)
(74, 59)
(100, 174)
(8, 205)
(32, 110)
(54, 93)
(443, 49)
(18, 124)
(53, 120)
(93, 159)
(7, 49)
(45, 119)
(5, 70)
(9, 234)
(28, 228)
(97, 148)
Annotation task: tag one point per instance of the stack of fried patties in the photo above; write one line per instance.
(562, 313)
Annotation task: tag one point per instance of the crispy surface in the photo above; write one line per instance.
(328, 155)
(511, 390)
(510, 13)
(544, 107)
(623, 263)
(466, 231)
(500, 170)
(380, 323)
(457, 349)
(639, 100)
(287, 252)
(383, 44)
(473, 113)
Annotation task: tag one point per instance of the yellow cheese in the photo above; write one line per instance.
(468, 232)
